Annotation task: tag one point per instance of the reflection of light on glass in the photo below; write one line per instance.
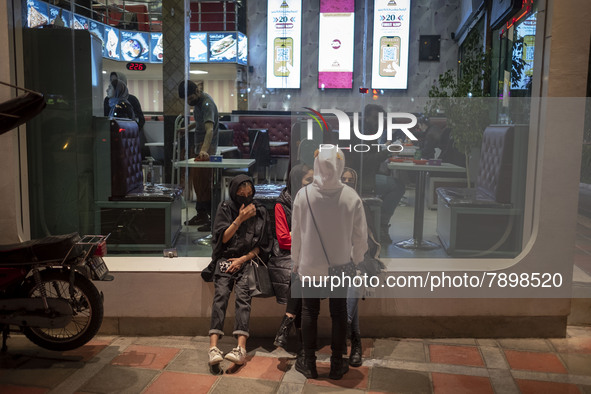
(66, 145)
(289, 96)
(198, 72)
(263, 96)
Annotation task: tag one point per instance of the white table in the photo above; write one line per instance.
(417, 242)
(216, 184)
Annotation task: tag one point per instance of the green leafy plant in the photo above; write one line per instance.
(458, 94)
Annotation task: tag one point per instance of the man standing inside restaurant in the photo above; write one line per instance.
(206, 124)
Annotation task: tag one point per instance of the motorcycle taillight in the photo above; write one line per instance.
(101, 249)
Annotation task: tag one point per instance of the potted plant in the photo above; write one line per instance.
(459, 94)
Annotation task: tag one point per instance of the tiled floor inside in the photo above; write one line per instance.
(179, 365)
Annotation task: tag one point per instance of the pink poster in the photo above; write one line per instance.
(336, 44)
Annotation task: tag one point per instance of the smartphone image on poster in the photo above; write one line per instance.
(389, 55)
(283, 56)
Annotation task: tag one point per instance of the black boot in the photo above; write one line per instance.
(338, 367)
(300, 342)
(283, 332)
(306, 365)
(355, 359)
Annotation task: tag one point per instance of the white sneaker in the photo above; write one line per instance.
(237, 355)
(215, 356)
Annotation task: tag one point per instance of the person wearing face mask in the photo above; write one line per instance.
(241, 231)
(329, 232)
(206, 127)
(119, 107)
(280, 265)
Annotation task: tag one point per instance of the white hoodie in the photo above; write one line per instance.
(339, 214)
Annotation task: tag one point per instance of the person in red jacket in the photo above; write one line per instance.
(300, 176)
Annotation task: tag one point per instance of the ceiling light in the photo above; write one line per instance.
(198, 72)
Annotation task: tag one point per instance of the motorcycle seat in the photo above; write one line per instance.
(52, 248)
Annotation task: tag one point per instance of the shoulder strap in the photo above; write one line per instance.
(315, 225)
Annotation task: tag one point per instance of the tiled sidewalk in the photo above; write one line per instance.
(179, 365)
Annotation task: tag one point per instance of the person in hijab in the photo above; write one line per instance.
(137, 110)
(329, 230)
(241, 231)
(280, 264)
(119, 106)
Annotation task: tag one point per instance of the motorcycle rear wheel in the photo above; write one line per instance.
(87, 307)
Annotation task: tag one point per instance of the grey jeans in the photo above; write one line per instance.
(223, 287)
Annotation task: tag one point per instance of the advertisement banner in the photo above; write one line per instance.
(222, 47)
(112, 43)
(390, 44)
(336, 44)
(284, 30)
(198, 47)
(37, 13)
(242, 49)
(98, 30)
(156, 55)
(59, 17)
(134, 46)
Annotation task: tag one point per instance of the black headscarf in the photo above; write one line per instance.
(235, 184)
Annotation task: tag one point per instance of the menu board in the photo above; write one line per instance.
(390, 44)
(284, 30)
(134, 46)
(156, 54)
(222, 47)
(198, 49)
(98, 29)
(336, 44)
(242, 56)
(112, 43)
(59, 17)
(37, 13)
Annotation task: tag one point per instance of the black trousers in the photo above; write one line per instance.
(338, 314)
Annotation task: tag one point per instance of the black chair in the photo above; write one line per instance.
(260, 150)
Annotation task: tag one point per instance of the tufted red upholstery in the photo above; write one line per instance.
(278, 127)
(495, 174)
(126, 158)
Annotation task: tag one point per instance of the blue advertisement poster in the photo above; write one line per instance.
(156, 53)
(111, 43)
(198, 51)
(222, 47)
(242, 57)
(59, 17)
(37, 14)
(98, 29)
(79, 22)
(134, 46)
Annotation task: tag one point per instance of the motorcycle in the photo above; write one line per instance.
(46, 289)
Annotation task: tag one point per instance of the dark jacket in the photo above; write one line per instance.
(280, 261)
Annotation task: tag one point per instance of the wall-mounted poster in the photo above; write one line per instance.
(242, 57)
(59, 17)
(336, 44)
(284, 30)
(134, 46)
(37, 13)
(222, 47)
(198, 51)
(156, 55)
(97, 29)
(111, 43)
(526, 31)
(390, 44)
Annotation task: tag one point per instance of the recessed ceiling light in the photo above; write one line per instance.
(198, 72)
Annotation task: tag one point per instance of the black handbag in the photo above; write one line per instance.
(344, 270)
(259, 281)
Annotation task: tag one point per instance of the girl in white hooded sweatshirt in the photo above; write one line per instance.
(340, 220)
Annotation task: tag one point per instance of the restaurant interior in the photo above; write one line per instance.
(270, 92)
